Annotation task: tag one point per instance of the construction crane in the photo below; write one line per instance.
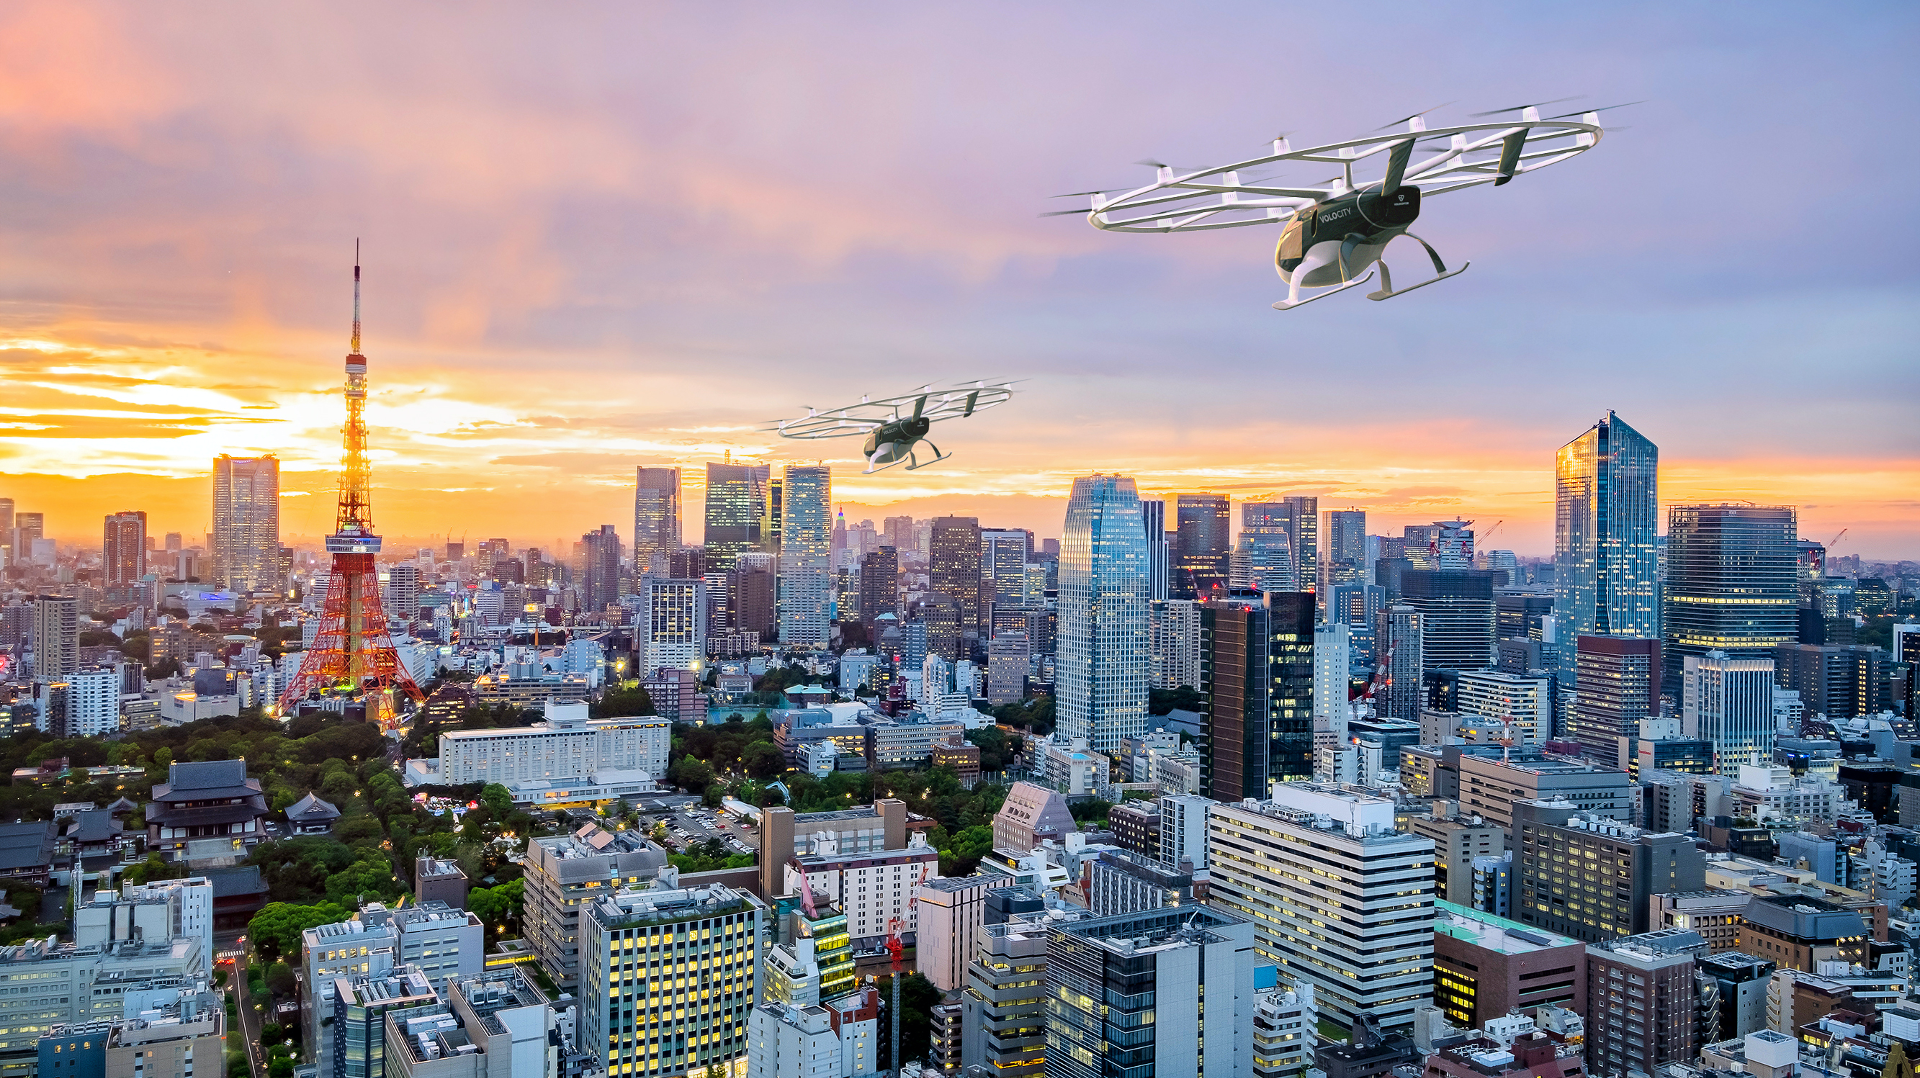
(1831, 543)
(1490, 531)
(1379, 677)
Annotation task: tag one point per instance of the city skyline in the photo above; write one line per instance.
(152, 326)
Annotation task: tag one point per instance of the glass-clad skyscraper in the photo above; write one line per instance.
(656, 515)
(736, 504)
(1201, 540)
(1102, 658)
(1731, 582)
(1606, 568)
(806, 551)
(246, 523)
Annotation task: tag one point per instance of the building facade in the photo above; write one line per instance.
(806, 555)
(246, 523)
(1606, 562)
(1732, 582)
(1102, 662)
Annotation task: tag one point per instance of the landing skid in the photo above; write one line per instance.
(1387, 291)
(1286, 305)
(916, 463)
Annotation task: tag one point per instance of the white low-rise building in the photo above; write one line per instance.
(569, 746)
(874, 888)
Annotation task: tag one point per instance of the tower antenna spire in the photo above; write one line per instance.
(356, 297)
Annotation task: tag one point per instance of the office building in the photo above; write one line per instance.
(123, 549)
(1556, 849)
(1800, 931)
(51, 983)
(564, 873)
(56, 636)
(1030, 815)
(494, 1025)
(1456, 609)
(951, 913)
(806, 553)
(1362, 936)
(1618, 686)
(354, 1044)
(1136, 827)
(1003, 1025)
(175, 1025)
(1444, 544)
(1332, 674)
(1487, 967)
(1203, 524)
(1102, 661)
(1153, 517)
(837, 1039)
(1297, 519)
(1344, 557)
(1731, 583)
(737, 502)
(1257, 671)
(1525, 704)
(879, 584)
(246, 523)
(600, 570)
(1836, 681)
(1003, 570)
(432, 941)
(1729, 703)
(1183, 829)
(1642, 1007)
(1358, 606)
(656, 515)
(1606, 564)
(1490, 783)
(881, 826)
(1166, 993)
(1457, 843)
(954, 569)
(1740, 981)
(667, 978)
(1119, 883)
(1174, 643)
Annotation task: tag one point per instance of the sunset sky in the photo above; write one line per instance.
(603, 235)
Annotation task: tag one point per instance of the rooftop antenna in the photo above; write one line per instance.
(356, 296)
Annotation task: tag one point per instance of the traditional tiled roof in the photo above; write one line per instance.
(310, 809)
(26, 845)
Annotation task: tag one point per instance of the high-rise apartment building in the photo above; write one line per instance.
(656, 515)
(1729, 702)
(806, 555)
(1344, 559)
(1256, 669)
(1606, 560)
(124, 549)
(1201, 542)
(1642, 1007)
(246, 523)
(56, 635)
(1405, 658)
(737, 505)
(1102, 660)
(402, 599)
(1731, 583)
(676, 633)
(954, 569)
(1362, 933)
(1153, 517)
(1174, 645)
(1618, 684)
(667, 978)
(600, 578)
(1164, 993)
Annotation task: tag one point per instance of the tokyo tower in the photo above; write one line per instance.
(353, 654)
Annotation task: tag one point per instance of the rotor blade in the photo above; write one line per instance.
(1415, 116)
(1603, 108)
(1077, 194)
(971, 398)
(1510, 148)
(918, 406)
(1396, 166)
(1528, 105)
(1064, 213)
(1151, 163)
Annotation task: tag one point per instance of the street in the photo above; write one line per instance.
(228, 944)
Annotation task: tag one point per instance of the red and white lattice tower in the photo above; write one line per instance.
(353, 653)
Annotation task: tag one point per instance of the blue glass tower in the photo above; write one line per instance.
(1101, 662)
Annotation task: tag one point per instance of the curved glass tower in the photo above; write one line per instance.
(1606, 559)
(1101, 662)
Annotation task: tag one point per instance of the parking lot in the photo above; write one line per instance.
(695, 824)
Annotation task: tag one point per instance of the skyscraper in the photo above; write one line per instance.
(1400, 698)
(1344, 560)
(953, 566)
(1606, 561)
(1201, 542)
(6, 532)
(1256, 656)
(676, 631)
(1457, 616)
(600, 581)
(1003, 564)
(246, 523)
(656, 515)
(1296, 517)
(736, 502)
(1731, 583)
(1617, 685)
(806, 555)
(1729, 702)
(1266, 541)
(1153, 516)
(124, 549)
(880, 584)
(1102, 658)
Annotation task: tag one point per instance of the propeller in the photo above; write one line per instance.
(1078, 194)
(1415, 116)
(1603, 108)
(1064, 213)
(1530, 105)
